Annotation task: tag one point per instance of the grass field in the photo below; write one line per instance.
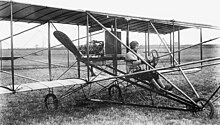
(28, 108)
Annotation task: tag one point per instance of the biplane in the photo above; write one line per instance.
(106, 79)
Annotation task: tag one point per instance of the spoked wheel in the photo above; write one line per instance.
(205, 112)
(115, 93)
(155, 56)
(51, 102)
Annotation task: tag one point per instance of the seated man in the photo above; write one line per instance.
(134, 64)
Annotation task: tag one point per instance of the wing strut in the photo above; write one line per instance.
(140, 58)
(175, 60)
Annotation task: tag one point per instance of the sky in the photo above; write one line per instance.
(195, 11)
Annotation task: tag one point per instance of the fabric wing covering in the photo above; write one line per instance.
(42, 14)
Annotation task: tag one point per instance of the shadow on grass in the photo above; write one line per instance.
(17, 110)
(82, 110)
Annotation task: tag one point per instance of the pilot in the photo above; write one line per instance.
(134, 64)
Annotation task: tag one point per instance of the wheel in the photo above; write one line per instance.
(205, 112)
(114, 92)
(51, 102)
(155, 56)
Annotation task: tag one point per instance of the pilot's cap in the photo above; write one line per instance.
(133, 44)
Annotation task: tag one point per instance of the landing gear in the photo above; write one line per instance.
(51, 102)
(205, 110)
(115, 93)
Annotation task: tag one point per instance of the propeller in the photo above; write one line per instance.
(65, 40)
